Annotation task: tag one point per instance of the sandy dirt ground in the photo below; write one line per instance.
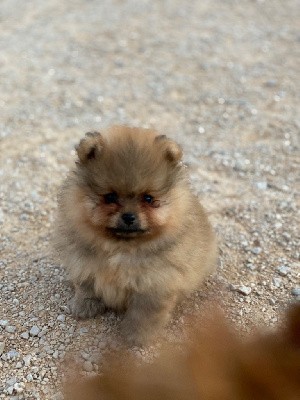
(222, 78)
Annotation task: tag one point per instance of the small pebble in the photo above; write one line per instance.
(12, 354)
(27, 360)
(251, 266)
(256, 250)
(55, 354)
(10, 390)
(25, 335)
(283, 270)
(19, 387)
(277, 282)
(3, 323)
(95, 358)
(34, 331)
(271, 83)
(296, 291)
(88, 366)
(10, 329)
(2, 347)
(261, 185)
(85, 355)
(245, 290)
(102, 345)
(61, 318)
(11, 381)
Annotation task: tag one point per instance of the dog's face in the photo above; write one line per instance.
(128, 180)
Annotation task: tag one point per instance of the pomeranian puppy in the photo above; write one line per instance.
(130, 232)
(214, 365)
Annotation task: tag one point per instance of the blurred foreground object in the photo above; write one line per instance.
(214, 365)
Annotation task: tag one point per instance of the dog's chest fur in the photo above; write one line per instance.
(119, 276)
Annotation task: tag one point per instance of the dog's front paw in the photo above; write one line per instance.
(83, 308)
(135, 334)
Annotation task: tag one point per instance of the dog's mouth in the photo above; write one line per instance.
(126, 232)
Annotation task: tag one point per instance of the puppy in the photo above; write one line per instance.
(214, 365)
(130, 232)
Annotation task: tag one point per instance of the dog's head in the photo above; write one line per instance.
(128, 179)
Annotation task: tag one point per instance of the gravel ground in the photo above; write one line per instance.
(220, 77)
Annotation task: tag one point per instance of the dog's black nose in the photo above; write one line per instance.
(128, 218)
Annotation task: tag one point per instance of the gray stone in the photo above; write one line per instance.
(256, 250)
(88, 366)
(19, 387)
(85, 355)
(29, 378)
(34, 331)
(261, 185)
(283, 270)
(245, 290)
(12, 354)
(251, 266)
(3, 323)
(27, 360)
(11, 381)
(25, 335)
(10, 329)
(277, 282)
(10, 390)
(296, 291)
(55, 354)
(61, 318)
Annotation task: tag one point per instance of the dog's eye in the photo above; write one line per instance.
(111, 198)
(147, 198)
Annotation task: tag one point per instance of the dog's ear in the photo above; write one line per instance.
(172, 150)
(89, 147)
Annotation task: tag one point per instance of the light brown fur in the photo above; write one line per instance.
(142, 272)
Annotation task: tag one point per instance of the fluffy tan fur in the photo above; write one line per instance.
(143, 271)
(214, 365)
